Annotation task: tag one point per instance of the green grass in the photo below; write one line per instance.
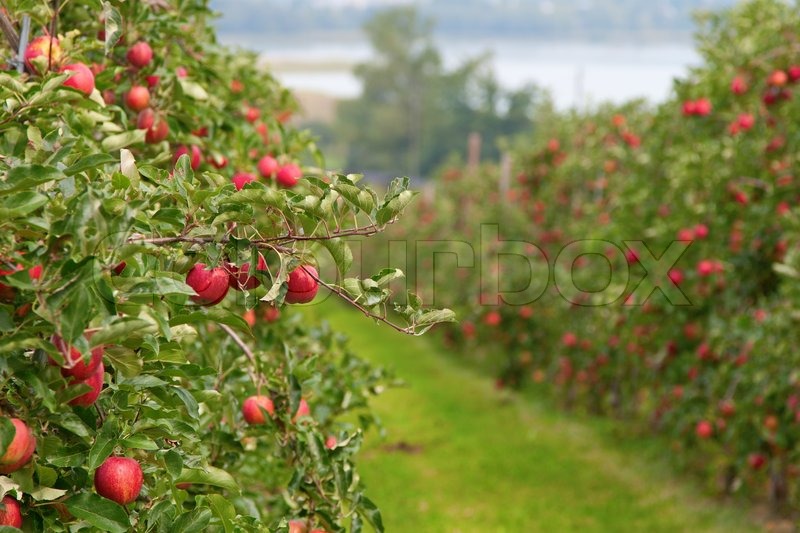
(461, 456)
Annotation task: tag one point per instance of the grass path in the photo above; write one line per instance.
(463, 457)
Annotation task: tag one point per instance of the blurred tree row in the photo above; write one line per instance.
(413, 112)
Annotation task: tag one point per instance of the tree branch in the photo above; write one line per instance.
(364, 231)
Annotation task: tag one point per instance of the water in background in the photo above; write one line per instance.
(576, 74)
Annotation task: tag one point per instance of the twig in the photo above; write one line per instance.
(238, 340)
(343, 295)
(248, 352)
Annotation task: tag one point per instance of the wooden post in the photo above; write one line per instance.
(505, 174)
(473, 152)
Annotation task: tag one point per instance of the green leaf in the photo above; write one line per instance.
(371, 514)
(7, 432)
(223, 509)
(174, 463)
(72, 423)
(387, 275)
(139, 442)
(125, 360)
(112, 143)
(76, 315)
(118, 331)
(28, 177)
(162, 286)
(341, 253)
(193, 89)
(99, 512)
(209, 476)
(47, 494)
(89, 162)
(102, 448)
(113, 26)
(22, 204)
(394, 207)
(196, 520)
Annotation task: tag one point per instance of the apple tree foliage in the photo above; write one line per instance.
(713, 168)
(99, 225)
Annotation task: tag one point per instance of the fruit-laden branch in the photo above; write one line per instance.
(346, 297)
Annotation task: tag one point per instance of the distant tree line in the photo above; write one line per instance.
(413, 113)
(546, 19)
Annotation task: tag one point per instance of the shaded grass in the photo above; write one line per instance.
(461, 456)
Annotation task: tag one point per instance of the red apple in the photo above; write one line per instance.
(302, 285)
(756, 461)
(138, 98)
(240, 179)
(81, 79)
(241, 280)
(181, 72)
(211, 285)
(700, 231)
(297, 526)
(145, 119)
(119, 479)
(569, 339)
(35, 272)
(42, 52)
(20, 450)
(95, 381)
(727, 408)
(330, 442)
(676, 276)
(250, 317)
(236, 86)
(139, 55)
(689, 108)
(253, 409)
(152, 80)
(778, 78)
(289, 174)
(272, 314)
(10, 514)
(302, 410)
(703, 107)
(268, 166)
(794, 73)
(75, 365)
(252, 114)
(704, 429)
(492, 318)
(746, 121)
(196, 155)
(739, 85)
(109, 97)
(705, 267)
(158, 131)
